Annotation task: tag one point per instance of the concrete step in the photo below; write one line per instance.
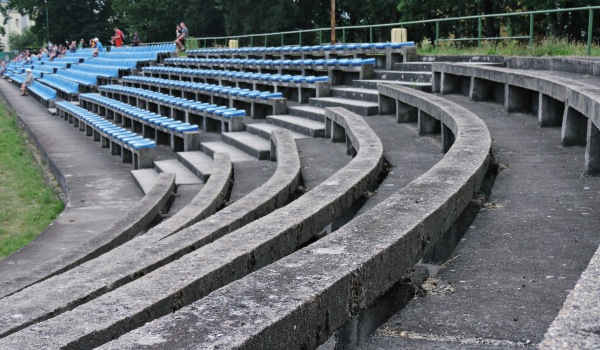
(413, 66)
(301, 125)
(254, 145)
(199, 163)
(308, 112)
(264, 129)
(183, 176)
(235, 154)
(425, 87)
(359, 107)
(145, 179)
(422, 77)
(355, 93)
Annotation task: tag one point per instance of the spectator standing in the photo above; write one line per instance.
(27, 82)
(118, 38)
(81, 44)
(73, 46)
(180, 41)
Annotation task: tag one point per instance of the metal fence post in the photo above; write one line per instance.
(437, 33)
(589, 33)
(531, 30)
(479, 33)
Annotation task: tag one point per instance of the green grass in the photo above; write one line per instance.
(27, 203)
(550, 46)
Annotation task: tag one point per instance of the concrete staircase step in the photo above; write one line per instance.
(199, 163)
(254, 145)
(425, 87)
(413, 66)
(301, 125)
(264, 129)
(308, 112)
(145, 179)
(355, 93)
(183, 176)
(359, 107)
(423, 77)
(235, 154)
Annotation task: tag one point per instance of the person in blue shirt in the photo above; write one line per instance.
(99, 47)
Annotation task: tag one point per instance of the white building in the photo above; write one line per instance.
(16, 24)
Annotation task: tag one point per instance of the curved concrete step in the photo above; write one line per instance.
(199, 163)
(355, 93)
(145, 179)
(235, 154)
(254, 145)
(364, 108)
(264, 130)
(183, 176)
(300, 125)
(308, 112)
(372, 84)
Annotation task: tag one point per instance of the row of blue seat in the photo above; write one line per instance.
(43, 92)
(127, 137)
(99, 71)
(208, 88)
(85, 79)
(67, 86)
(167, 47)
(275, 63)
(235, 74)
(178, 102)
(141, 115)
(124, 64)
(296, 49)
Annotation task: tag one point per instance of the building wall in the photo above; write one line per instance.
(16, 24)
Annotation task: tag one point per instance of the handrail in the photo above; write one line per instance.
(437, 21)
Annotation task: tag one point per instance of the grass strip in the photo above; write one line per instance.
(27, 203)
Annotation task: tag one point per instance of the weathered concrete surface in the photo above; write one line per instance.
(512, 271)
(98, 186)
(212, 266)
(298, 301)
(578, 323)
(122, 230)
(210, 198)
(147, 253)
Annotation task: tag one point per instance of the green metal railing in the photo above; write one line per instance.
(264, 39)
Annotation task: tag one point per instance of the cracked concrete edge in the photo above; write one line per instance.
(233, 256)
(298, 301)
(577, 325)
(210, 198)
(576, 94)
(144, 254)
(119, 232)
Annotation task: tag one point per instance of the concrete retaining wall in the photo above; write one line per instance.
(557, 101)
(300, 300)
(119, 232)
(229, 258)
(146, 253)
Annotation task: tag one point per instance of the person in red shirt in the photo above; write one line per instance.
(118, 38)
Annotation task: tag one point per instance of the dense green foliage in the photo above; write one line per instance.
(28, 204)
(155, 19)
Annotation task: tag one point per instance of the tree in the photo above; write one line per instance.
(68, 19)
(23, 41)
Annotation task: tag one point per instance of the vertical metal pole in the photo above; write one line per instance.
(320, 37)
(437, 33)
(479, 33)
(531, 30)
(343, 35)
(299, 39)
(251, 39)
(370, 34)
(589, 33)
(265, 40)
(47, 24)
(332, 22)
